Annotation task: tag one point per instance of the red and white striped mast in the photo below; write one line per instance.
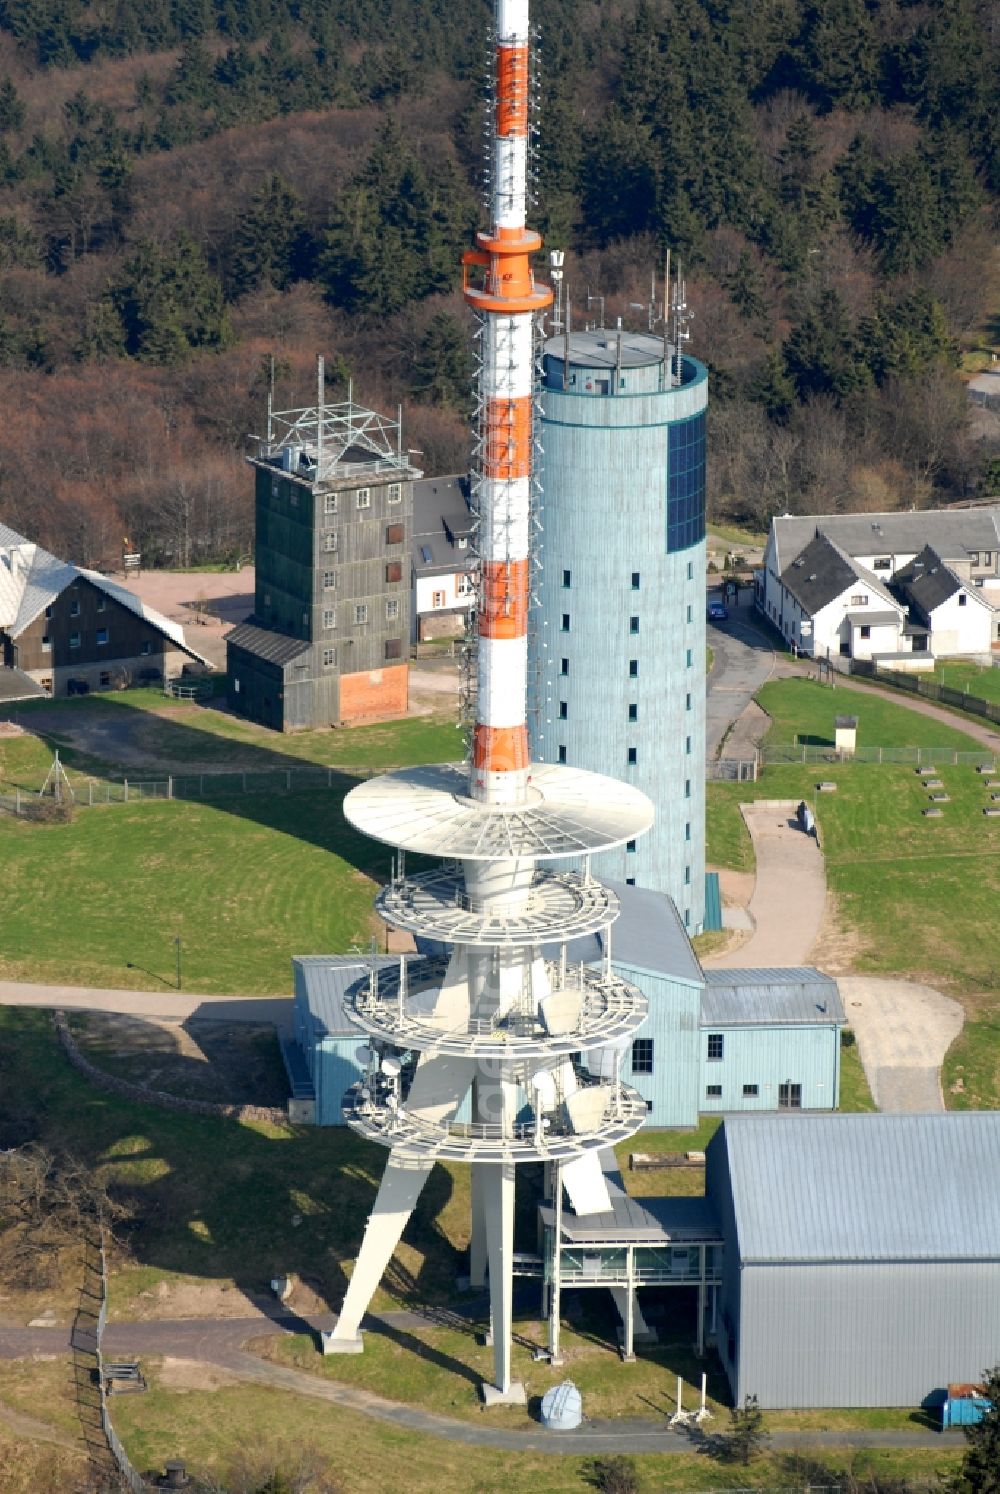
(508, 302)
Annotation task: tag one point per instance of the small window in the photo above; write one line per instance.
(687, 830)
(329, 658)
(395, 534)
(882, 563)
(361, 613)
(687, 876)
(690, 570)
(330, 541)
(687, 745)
(962, 599)
(567, 579)
(330, 505)
(437, 598)
(716, 1045)
(102, 637)
(562, 754)
(48, 612)
(565, 622)
(687, 701)
(563, 710)
(865, 631)
(74, 640)
(564, 666)
(633, 712)
(630, 845)
(394, 492)
(329, 618)
(987, 557)
(713, 1091)
(642, 1056)
(789, 1096)
(689, 658)
(74, 608)
(102, 603)
(649, 1107)
(633, 669)
(973, 557)
(364, 498)
(105, 679)
(635, 580)
(46, 644)
(393, 648)
(630, 881)
(633, 756)
(392, 609)
(329, 580)
(147, 648)
(394, 571)
(751, 1091)
(860, 600)
(687, 788)
(633, 625)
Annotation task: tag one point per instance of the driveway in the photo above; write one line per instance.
(743, 660)
(904, 1031)
(789, 892)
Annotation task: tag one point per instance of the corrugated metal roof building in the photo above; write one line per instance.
(861, 1255)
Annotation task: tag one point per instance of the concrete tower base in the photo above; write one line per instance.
(515, 1396)
(333, 1345)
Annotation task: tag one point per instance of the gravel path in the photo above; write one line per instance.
(156, 1004)
(789, 893)
(220, 1343)
(904, 1031)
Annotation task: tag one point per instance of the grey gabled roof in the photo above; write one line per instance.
(439, 510)
(274, 648)
(864, 1187)
(818, 575)
(31, 579)
(926, 582)
(770, 997)
(648, 935)
(954, 533)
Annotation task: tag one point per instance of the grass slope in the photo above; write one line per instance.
(803, 710)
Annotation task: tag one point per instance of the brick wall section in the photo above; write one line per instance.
(374, 692)
(148, 1096)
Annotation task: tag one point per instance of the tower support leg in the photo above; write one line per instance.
(397, 1195)
(477, 1243)
(499, 1208)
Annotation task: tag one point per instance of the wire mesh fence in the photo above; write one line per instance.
(928, 689)
(783, 754)
(219, 784)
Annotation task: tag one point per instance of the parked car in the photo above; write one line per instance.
(717, 612)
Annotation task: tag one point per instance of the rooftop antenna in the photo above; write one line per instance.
(682, 318)
(569, 318)
(618, 359)
(270, 402)
(600, 300)
(665, 366)
(556, 260)
(320, 402)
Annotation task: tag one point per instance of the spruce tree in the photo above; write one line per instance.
(980, 1470)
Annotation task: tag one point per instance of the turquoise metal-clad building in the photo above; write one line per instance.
(770, 1040)
(618, 632)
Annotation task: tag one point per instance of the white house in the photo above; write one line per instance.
(443, 561)
(885, 586)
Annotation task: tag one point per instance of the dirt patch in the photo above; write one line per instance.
(839, 947)
(33, 1430)
(190, 1374)
(193, 1059)
(736, 886)
(171, 1300)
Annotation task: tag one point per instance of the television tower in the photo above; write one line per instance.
(504, 1018)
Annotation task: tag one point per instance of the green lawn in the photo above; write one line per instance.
(803, 710)
(854, 1091)
(972, 678)
(215, 1199)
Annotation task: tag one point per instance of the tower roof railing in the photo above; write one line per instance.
(326, 441)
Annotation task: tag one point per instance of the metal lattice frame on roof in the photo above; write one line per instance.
(321, 436)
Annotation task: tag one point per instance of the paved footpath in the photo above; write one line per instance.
(179, 1005)
(904, 1031)
(789, 893)
(220, 1342)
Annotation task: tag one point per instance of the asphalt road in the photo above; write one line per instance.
(743, 660)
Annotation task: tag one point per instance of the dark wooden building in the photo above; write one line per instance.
(328, 641)
(71, 630)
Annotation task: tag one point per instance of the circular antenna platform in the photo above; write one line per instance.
(569, 812)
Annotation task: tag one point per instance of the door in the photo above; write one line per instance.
(789, 1096)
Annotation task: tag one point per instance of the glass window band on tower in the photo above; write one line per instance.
(686, 483)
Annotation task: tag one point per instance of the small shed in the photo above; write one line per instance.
(327, 1040)
(846, 735)
(770, 1040)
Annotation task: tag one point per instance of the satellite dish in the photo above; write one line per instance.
(363, 1055)
(391, 1067)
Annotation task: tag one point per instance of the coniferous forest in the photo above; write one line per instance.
(190, 189)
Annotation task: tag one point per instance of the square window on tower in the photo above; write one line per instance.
(564, 666)
(633, 756)
(633, 625)
(567, 579)
(635, 580)
(563, 710)
(565, 622)
(633, 669)
(633, 712)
